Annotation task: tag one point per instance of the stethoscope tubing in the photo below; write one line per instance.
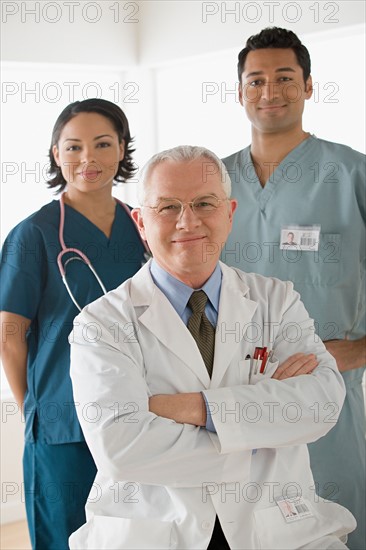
(79, 254)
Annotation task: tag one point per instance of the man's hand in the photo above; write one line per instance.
(349, 354)
(185, 408)
(295, 365)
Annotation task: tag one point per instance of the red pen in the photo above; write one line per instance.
(264, 363)
(261, 356)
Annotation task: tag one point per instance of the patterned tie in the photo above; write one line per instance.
(201, 329)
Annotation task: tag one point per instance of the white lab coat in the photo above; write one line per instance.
(160, 484)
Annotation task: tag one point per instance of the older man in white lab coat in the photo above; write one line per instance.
(193, 452)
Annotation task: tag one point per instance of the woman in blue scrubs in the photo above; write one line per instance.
(90, 151)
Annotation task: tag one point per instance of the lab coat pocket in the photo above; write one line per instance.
(270, 370)
(114, 533)
(275, 533)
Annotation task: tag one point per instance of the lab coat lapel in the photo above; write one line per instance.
(235, 312)
(161, 319)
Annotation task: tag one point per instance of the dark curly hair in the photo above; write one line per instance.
(275, 37)
(126, 167)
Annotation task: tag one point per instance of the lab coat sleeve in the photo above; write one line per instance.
(276, 413)
(126, 440)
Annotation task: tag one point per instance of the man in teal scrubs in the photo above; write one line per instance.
(289, 181)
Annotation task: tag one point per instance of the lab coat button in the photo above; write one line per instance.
(206, 525)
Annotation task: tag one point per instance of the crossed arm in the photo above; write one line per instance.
(183, 408)
(349, 354)
(190, 408)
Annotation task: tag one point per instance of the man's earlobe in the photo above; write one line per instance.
(233, 206)
(138, 219)
(136, 216)
(309, 87)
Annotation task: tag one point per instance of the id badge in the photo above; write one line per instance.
(300, 237)
(293, 509)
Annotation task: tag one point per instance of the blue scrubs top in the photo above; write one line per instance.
(31, 286)
(318, 183)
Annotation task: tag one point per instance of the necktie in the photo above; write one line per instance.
(204, 334)
(201, 329)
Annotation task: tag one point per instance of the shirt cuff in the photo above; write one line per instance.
(210, 427)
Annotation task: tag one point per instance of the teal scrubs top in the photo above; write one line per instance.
(31, 286)
(318, 183)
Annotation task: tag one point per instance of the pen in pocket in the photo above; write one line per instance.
(260, 359)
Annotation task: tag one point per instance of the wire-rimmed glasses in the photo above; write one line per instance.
(172, 209)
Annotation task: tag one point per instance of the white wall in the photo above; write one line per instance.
(123, 33)
(77, 32)
(193, 28)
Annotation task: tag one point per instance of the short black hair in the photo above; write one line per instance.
(126, 167)
(275, 37)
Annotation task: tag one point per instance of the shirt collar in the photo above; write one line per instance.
(179, 293)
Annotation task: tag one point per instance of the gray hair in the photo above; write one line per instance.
(183, 153)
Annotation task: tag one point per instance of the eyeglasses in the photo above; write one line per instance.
(172, 209)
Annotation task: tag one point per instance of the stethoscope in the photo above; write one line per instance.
(80, 255)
